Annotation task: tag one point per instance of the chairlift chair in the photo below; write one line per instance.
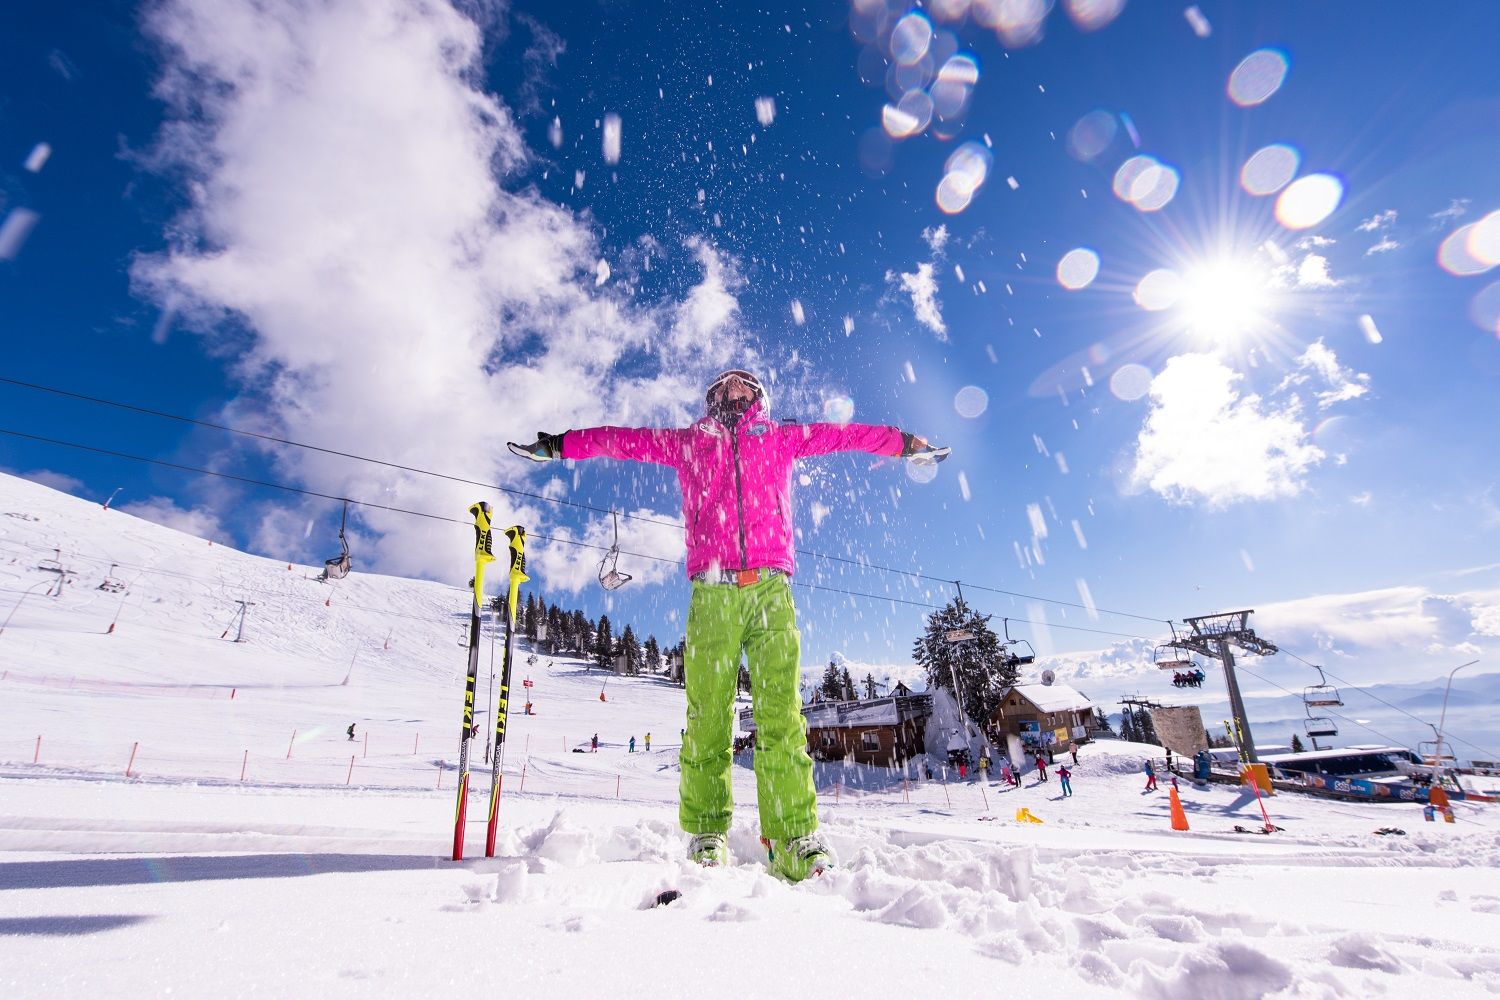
(1019, 659)
(1320, 728)
(610, 577)
(1169, 657)
(109, 583)
(338, 567)
(1321, 694)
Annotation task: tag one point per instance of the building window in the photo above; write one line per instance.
(869, 741)
(827, 739)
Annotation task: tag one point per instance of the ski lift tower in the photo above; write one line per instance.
(1212, 635)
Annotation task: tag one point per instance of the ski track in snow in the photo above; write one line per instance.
(182, 877)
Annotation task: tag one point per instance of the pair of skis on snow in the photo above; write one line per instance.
(484, 554)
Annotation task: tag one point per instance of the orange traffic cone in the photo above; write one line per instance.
(1179, 818)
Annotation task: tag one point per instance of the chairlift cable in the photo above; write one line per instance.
(273, 439)
(547, 538)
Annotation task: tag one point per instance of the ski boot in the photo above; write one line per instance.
(798, 858)
(711, 850)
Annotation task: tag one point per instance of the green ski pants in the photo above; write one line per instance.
(760, 619)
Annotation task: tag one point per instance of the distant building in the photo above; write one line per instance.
(1042, 715)
(883, 731)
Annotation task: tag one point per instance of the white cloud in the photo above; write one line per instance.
(1457, 207)
(1378, 221)
(1386, 245)
(936, 238)
(1204, 441)
(1313, 242)
(1319, 363)
(353, 252)
(60, 481)
(921, 285)
(198, 521)
(1313, 273)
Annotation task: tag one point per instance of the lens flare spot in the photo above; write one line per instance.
(1257, 77)
(1484, 240)
(1159, 290)
(1146, 182)
(1092, 134)
(971, 401)
(1130, 382)
(1091, 15)
(765, 110)
(1454, 255)
(1309, 200)
(610, 141)
(910, 39)
(1269, 169)
(1077, 269)
(838, 409)
(909, 117)
(1485, 309)
(921, 472)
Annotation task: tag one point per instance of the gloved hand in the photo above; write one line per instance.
(918, 450)
(545, 448)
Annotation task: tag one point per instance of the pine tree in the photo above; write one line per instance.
(1101, 721)
(631, 648)
(832, 685)
(531, 616)
(604, 643)
(743, 681)
(653, 655)
(555, 627)
(583, 634)
(1128, 731)
(983, 670)
(1296, 743)
(846, 686)
(1146, 727)
(870, 686)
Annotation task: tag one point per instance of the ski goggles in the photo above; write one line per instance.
(723, 381)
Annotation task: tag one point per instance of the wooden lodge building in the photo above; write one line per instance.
(882, 731)
(1042, 715)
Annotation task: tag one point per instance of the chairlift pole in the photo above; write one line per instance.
(245, 607)
(1443, 719)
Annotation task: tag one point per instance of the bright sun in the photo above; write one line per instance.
(1226, 299)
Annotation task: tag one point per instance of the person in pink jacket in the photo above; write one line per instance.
(735, 468)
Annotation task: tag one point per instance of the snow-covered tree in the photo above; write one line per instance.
(604, 643)
(1297, 744)
(653, 655)
(832, 685)
(959, 641)
(630, 648)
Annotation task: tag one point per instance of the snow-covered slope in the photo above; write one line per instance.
(324, 871)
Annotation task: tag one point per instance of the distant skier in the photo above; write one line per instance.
(984, 766)
(350, 731)
(1073, 749)
(1041, 768)
(1150, 770)
(632, 744)
(648, 742)
(1065, 777)
(734, 466)
(1005, 774)
(594, 744)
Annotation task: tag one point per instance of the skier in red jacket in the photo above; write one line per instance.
(735, 469)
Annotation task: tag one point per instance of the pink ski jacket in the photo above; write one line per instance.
(736, 484)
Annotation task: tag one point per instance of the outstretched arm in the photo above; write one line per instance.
(637, 444)
(823, 439)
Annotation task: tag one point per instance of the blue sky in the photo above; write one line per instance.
(400, 235)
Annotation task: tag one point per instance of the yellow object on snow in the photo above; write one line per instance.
(1023, 815)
